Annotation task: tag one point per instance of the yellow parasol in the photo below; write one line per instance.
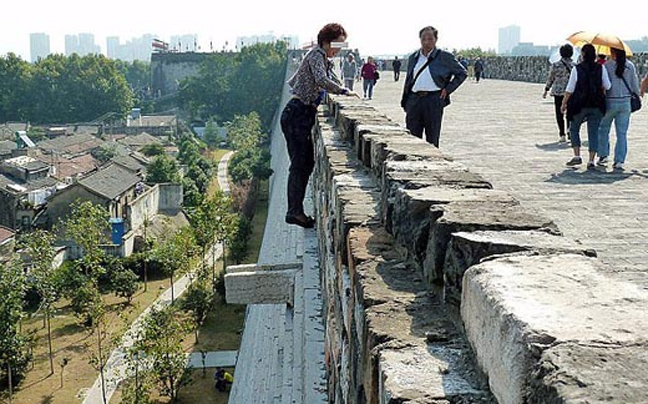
(602, 42)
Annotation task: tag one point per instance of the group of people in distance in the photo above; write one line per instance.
(597, 91)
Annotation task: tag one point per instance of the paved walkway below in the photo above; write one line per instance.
(506, 132)
(214, 359)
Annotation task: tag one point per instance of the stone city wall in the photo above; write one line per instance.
(535, 69)
(432, 279)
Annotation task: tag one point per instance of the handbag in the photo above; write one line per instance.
(635, 100)
(376, 75)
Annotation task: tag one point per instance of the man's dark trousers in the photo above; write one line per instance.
(424, 111)
(297, 120)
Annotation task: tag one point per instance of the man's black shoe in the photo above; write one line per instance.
(307, 223)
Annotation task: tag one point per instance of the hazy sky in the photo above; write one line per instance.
(385, 27)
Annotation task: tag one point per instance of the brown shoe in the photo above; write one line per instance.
(301, 220)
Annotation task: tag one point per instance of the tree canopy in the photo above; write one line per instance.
(61, 89)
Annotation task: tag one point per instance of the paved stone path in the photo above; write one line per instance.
(506, 132)
(225, 359)
(116, 365)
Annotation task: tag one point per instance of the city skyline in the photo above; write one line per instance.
(391, 30)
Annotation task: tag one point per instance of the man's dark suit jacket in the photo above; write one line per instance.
(445, 69)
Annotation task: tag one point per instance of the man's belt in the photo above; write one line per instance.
(424, 93)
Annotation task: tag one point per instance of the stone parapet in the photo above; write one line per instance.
(535, 69)
(406, 235)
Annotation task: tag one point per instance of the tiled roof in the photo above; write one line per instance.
(139, 141)
(6, 234)
(74, 144)
(29, 185)
(71, 167)
(154, 120)
(111, 181)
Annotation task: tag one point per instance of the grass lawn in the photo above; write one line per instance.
(73, 341)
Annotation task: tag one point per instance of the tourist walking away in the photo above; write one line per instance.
(479, 69)
(585, 100)
(644, 85)
(396, 66)
(624, 83)
(432, 75)
(601, 59)
(349, 71)
(368, 74)
(557, 82)
(309, 85)
(224, 379)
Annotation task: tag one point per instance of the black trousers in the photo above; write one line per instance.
(425, 112)
(478, 76)
(297, 120)
(560, 117)
(396, 75)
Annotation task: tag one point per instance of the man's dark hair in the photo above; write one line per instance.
(330, 33)
(566, 51)
(429, 28)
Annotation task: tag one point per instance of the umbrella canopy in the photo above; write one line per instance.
(602, 42)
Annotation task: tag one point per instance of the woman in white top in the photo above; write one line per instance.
(585, 100)
(625, 82)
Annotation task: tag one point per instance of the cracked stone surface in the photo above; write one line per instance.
(517, 310)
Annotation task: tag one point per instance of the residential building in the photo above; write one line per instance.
(69, 146)
(81, 44)
(509, 38)
(184, 43)
(24, 189)
(7, 242)
(39, 44)
(112, 187)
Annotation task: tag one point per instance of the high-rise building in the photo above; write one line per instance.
(39, 46)
(509, 38)
(71, 44)
(82, 44)
(113, 47)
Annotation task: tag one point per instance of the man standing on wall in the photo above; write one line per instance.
(432, 75)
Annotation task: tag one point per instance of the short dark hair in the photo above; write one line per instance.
(429, 28)
(330, 32)
(566, 51)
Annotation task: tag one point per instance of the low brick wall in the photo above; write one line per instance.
(415, 249)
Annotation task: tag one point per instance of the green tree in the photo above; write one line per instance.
(239, 245)
(162, 344)
(153, 149)
(198, 301)
(77, 89)
(211, 136)
(13, 353)
(88, 227)
(15, 80)
(124, 284)
(163, 169)
(175, 255)
(244, 132)
(39, 247)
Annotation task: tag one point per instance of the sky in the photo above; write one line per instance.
(375, 28)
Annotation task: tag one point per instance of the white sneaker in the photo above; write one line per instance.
(617, 166)
(563, 139)
(602, 161)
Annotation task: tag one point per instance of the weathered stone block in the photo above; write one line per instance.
(348, 119)
(353, 207)
(428, 374)
(407, 213)
(517, 308)
(468, 249)
(472, 216)
(260, 287)
(362, 130)
(590, 373)
(404, 148)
